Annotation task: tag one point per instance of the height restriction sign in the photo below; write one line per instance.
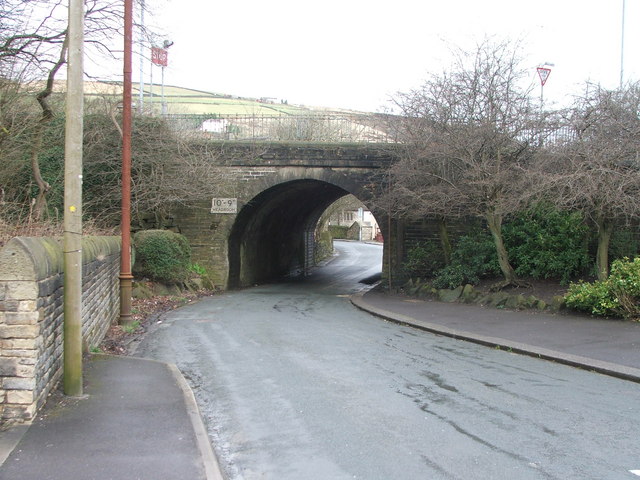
(544, 74)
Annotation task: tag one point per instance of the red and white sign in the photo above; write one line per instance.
(159, 56)
(544, 74)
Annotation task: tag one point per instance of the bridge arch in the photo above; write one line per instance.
(274, 233)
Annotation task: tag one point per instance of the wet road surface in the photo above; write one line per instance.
(296, 384)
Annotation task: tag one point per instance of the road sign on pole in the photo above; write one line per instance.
(544, 74)
(159, 56)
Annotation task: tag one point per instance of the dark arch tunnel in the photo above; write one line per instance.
(273, 234)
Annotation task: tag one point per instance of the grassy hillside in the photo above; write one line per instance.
(188, 101)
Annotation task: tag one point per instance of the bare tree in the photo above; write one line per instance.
(169, 167)
(469, 135)
(596, 169)
(32, 47)
(31, 33)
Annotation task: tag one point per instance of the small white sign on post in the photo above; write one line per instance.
(224, 205)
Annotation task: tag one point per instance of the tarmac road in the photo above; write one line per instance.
(296, 383)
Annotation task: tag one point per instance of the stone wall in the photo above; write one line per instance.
(31, 315)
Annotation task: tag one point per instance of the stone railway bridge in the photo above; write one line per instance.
(282, 189)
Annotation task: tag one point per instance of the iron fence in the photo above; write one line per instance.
(350, 128)
(323, 128)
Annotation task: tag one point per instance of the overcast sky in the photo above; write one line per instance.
(356, 53)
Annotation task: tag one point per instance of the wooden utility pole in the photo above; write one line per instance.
(126, 278)
(72, 243)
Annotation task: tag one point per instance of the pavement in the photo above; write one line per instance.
(139, 420)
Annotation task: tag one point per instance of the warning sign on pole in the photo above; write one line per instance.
(544, 74)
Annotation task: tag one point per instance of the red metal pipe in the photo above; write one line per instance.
(126, 277)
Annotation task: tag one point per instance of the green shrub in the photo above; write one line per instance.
(162, 255)
(473, 257)
(617, 296)
(453, 276)
(198, 269)
(478, 252)
(594, 298)
(547, 243)
(423, 260)
(339, 231)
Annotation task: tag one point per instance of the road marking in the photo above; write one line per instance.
(635, 472)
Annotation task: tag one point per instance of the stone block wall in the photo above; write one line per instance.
(31, 315)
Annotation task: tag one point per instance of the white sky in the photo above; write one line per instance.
(356, 53)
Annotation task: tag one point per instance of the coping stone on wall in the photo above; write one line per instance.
(30, 258)
(34, 258)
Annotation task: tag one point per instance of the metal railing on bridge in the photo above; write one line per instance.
(321, 128)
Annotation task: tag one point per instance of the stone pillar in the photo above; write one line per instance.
(20, 334)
